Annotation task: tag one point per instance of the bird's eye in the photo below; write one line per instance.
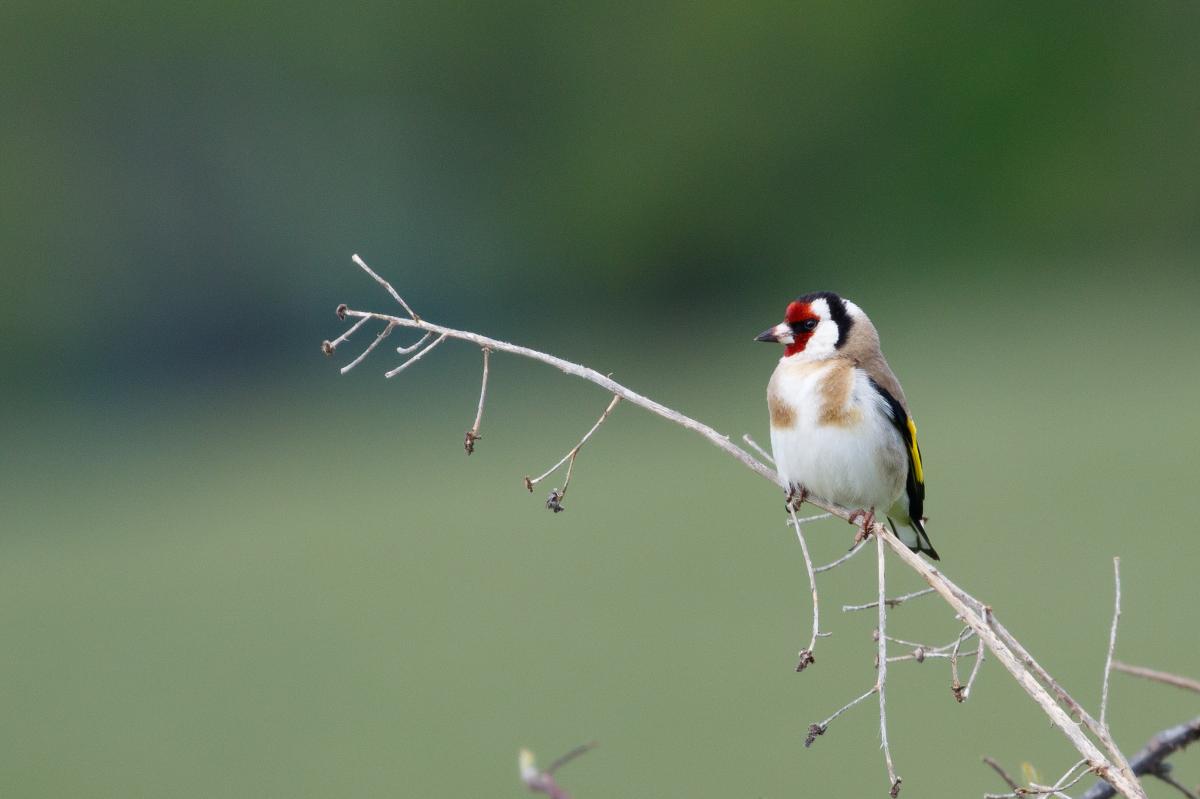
(807, 324)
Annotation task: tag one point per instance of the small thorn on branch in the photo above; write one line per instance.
(806, 660)
(554, 501)
(895, 791)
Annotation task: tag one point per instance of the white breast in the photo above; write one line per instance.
(861, 464)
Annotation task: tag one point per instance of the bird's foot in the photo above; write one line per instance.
(867, 515)
(795, 498)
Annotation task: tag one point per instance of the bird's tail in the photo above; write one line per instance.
(914, 537)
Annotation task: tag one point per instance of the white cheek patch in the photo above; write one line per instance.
(823, 341)
(783, 333)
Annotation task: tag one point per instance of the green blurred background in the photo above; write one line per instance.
(227, 571)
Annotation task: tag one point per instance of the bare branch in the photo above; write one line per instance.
(382, 335)
(1112, 641)
(473, 433)
(881, 675)
(1029, 675)
(806, 654)
(891, 603)
(386, 285)
(1151, 758)
(557, 495)
(415, 358)
(329, 347)
(1042, 678)
(1165, 677)
(819, 729)
(591, 375)
(766, 456)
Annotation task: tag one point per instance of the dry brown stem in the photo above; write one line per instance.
(1164, 677)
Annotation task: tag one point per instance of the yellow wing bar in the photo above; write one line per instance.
(914, 451)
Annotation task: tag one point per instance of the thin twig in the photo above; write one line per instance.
(1063, 784)
(1126, 777)
(542, 780)
(582, 749)
(382, 335)
(891, 603)
(557, 495)
(416, 357)
(329, 347)
(1112, 641)
(917, 644)
(395, 295)
(921, 655)
(766, 456)
(815, 730)
(1165, 677)
(806, 654)
(854, 550)
(402, 350)
(980, 653)
(956, 687)
(996, 767)
(591, 375)
(881, 675)
(473, 433)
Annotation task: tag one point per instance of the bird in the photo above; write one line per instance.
(840, 425)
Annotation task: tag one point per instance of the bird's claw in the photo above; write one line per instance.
(795, 498)
(864, 527)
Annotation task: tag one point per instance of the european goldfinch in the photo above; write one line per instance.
(840, 427)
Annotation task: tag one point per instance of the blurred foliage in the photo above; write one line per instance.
(228, 572)
(169, 164)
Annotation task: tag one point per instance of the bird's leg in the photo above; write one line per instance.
(795, 498)
(864, 528)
